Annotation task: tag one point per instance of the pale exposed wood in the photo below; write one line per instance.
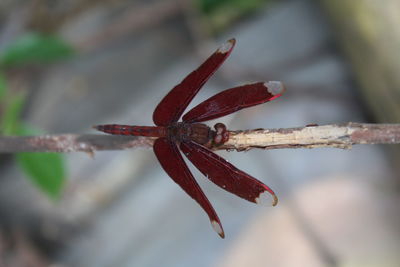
(337, 136)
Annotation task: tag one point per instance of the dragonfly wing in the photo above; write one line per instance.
(227, 176)
(172, 162)
(175, 102)
(234, 99)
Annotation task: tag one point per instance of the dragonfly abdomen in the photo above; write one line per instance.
(117, 129)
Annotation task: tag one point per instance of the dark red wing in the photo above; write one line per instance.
(172, 162)
(175, 102)
(227, 176)
(234, 99)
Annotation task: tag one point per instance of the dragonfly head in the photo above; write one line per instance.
(221, 134)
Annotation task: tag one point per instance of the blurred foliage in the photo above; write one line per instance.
(10, 119)
(221, 13)
(45, 170)
(3, 85)
(34, 48)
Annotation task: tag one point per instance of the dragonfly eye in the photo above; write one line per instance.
(221, 135)
(220, 128)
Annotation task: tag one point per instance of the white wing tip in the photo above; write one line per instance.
(266, 198)
(275, 87)
(218, 228)
(226, 47)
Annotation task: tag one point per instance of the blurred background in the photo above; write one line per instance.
(67, 65)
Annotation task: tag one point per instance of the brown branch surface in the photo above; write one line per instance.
(71, 143)
(337, 136)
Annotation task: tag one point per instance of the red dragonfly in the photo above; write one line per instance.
(195, 139)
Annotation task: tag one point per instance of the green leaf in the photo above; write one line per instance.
(3, 86)
(45, 170)
(11, 115)
(35, 48)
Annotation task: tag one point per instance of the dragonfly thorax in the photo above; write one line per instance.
(198, 132)
(185, 132)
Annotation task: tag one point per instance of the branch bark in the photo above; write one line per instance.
(312, 136)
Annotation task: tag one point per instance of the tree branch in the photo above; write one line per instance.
(313, 136)
(337, 136)
(71, 143)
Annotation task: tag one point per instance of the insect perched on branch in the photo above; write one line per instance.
(195, 139)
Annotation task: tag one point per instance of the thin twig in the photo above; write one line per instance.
(313, 136)
(71, 143)
(336, 136)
